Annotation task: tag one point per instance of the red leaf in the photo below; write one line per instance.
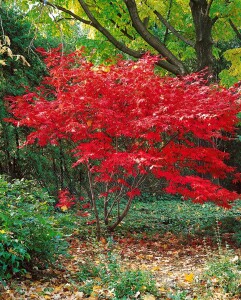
(87, 205)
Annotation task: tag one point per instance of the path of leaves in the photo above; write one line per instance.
(174, 265)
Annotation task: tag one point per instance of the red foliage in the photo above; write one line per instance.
(134, 122)
(66, 200)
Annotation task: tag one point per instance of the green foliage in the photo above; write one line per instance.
(160, 214)
(16, 74)
(108, 275)
(114, 17)
(51, 167)
(233, 74)
(13, 254)
(179, 295)
(224, 273)
(27, 228)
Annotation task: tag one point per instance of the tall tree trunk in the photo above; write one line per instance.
(203, 27)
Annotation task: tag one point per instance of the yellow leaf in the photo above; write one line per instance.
(58, 288)
(9, 52)
(156, 268)
(64, 208)
(47, 297)
(96, 288)
(105, 69)
(7, 40)
(93, 296)
(25, 63)
(189, 277)
(2, 62)
(98, 279)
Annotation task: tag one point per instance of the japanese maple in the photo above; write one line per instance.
(126, 122)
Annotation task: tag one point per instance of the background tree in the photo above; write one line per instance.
(188, 34)
(21, 66)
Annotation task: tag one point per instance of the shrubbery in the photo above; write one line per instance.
(27, 228)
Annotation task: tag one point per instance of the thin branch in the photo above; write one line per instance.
(171, 139)
(214, 20)
(116, 200)
(67, 11)
(168, 16)
(172, 29)
(124, 31)
(1, 25)
(61, 19)
(93, 200)
(235, 29)
(208, 7)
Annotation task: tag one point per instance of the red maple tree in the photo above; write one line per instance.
(126, 122)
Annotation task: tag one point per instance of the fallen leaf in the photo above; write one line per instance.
(79, 295)
(189, 277)
(96, 288)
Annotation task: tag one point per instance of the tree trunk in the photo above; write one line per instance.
(203, 28)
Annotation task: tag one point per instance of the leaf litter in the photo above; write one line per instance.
(175, 266)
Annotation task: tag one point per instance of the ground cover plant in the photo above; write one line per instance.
(162, 239)
(28, 234)
(165, 213)
(124, 123)
(109, 280)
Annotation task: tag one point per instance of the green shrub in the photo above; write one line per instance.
(27, 228)
(13, 254)
(107, 280)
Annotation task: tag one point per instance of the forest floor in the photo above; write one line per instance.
(176, 268)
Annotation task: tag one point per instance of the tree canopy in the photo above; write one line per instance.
(188, 35)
